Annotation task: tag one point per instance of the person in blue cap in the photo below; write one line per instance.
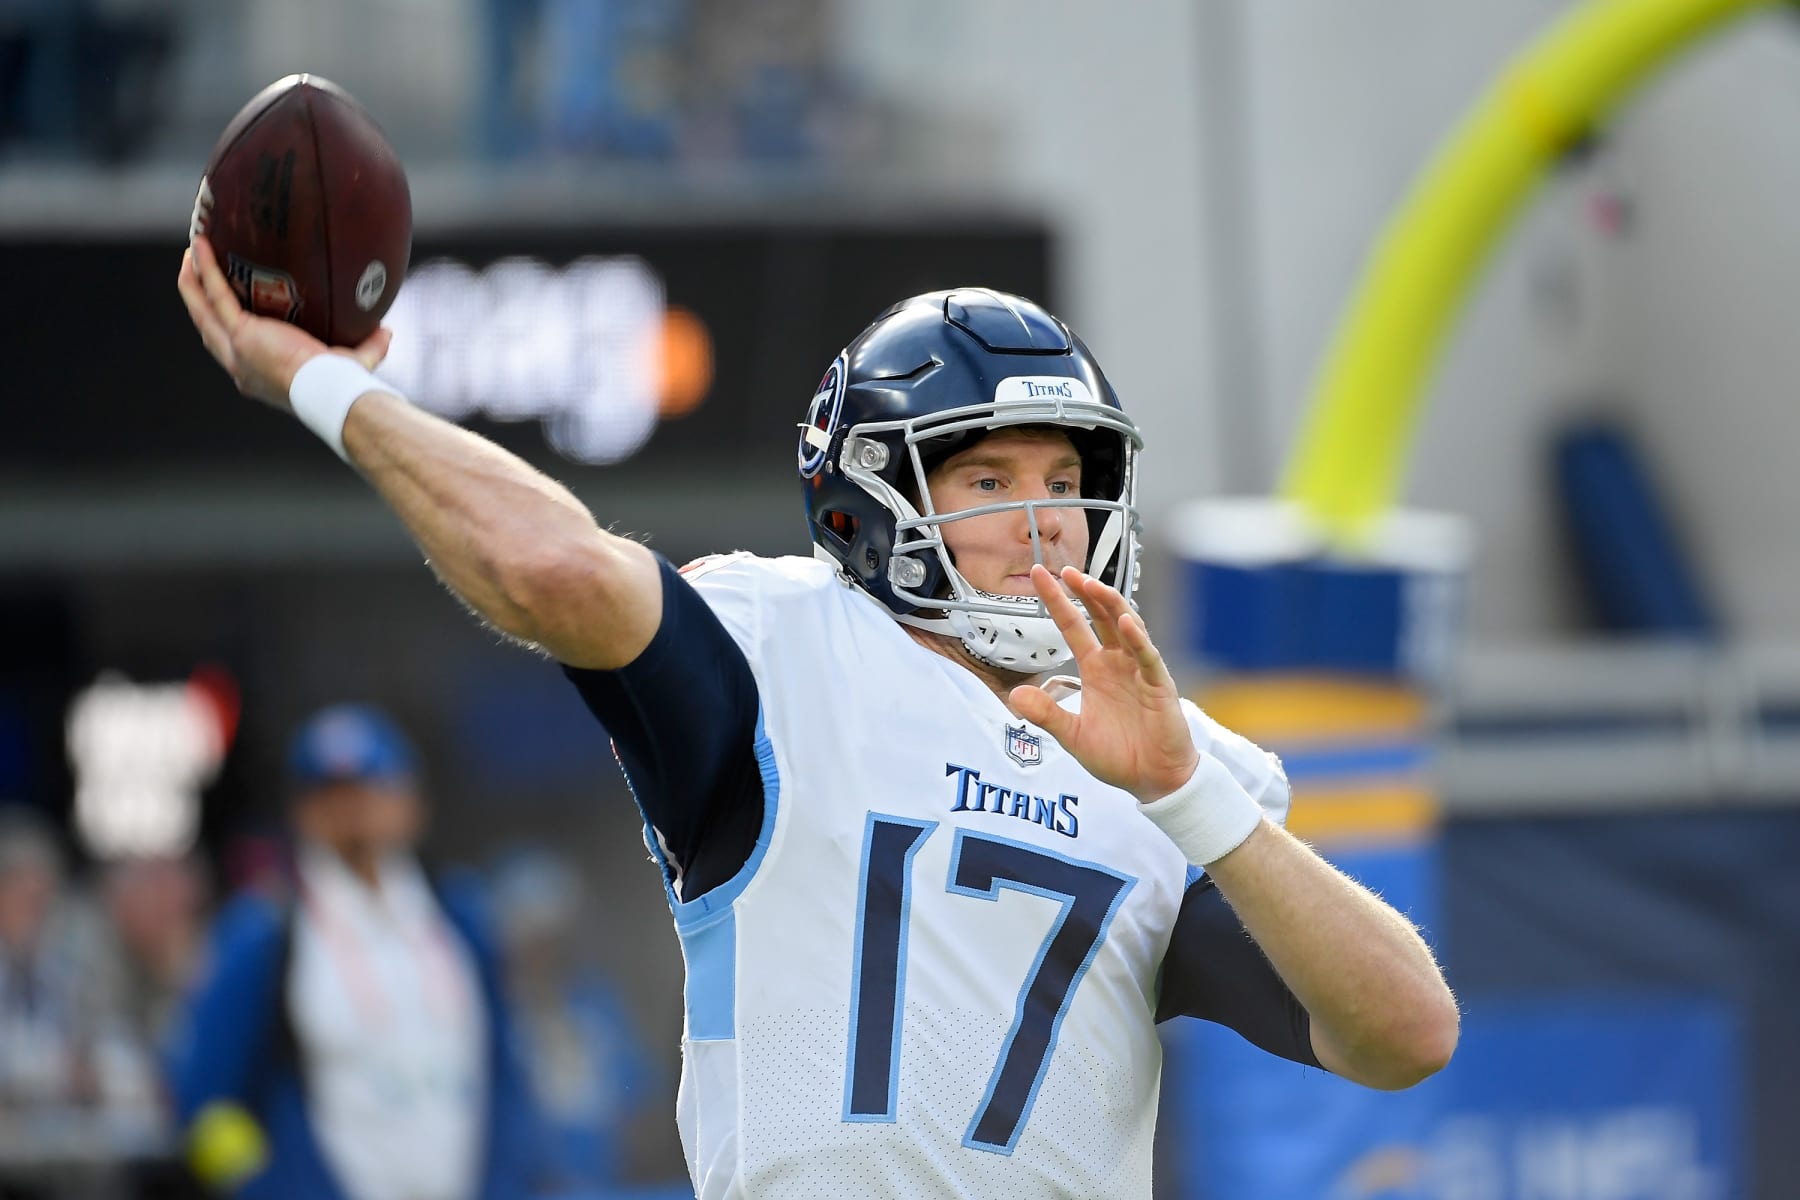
(355, 1044)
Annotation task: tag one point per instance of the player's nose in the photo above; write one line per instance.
(1049, 519)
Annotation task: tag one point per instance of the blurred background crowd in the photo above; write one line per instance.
(518, 81)
(1553, 717)
(117, 988)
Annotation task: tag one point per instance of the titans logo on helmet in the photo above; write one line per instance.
(822, 419)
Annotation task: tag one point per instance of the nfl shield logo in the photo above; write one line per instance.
(1024, 747)
(264, 290)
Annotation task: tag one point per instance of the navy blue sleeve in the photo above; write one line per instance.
(1214, 971)
(224, 1037)
(682, 717)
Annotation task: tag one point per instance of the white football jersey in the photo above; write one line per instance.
(936, 975)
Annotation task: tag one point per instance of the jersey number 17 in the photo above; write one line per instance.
(980, 866)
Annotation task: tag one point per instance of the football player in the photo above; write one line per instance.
(933, 897)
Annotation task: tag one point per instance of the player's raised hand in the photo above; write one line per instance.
(260, 354)
(1131, 731)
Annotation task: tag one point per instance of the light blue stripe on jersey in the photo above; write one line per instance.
(710, 948)
(707, 925)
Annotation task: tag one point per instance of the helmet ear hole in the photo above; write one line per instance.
(841, 524)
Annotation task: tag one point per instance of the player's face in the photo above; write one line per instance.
(994, 552)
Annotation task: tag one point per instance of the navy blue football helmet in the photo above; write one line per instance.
(930, 377)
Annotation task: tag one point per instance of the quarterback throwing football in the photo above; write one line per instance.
(933, 897)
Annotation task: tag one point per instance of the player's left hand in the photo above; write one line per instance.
(1131, 731)
(260, 354)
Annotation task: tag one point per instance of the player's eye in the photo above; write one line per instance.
(1062, 487)
(987, 484)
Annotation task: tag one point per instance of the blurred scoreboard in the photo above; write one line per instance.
(668, 346)
(148, 514)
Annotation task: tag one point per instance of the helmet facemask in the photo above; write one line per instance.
(1016, 633)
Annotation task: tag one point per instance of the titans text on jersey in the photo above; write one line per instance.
(974, 794)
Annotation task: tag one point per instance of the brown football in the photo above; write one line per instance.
(308, 210)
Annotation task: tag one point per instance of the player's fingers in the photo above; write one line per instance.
(193, 296)
(218, 289)
(1069, 619)
(1136, 638)
(1104, 600)
(374, 348)
(1104, 621)
(1034, 704)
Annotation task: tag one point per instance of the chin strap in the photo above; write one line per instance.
(1030, 645)
(1026, 642)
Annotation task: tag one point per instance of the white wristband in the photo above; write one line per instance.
(1207, 817)
(323, 390)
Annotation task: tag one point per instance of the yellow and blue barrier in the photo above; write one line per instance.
(1324, 620)
(1329, 659)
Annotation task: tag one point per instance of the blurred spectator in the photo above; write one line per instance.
(592, 77)
(612, 77)
(764, 84)
(65, 1047)
(157, 910)
(354, 1044)
(661, 80)
(77, 1091)
(588, 1072)
(503, 107)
